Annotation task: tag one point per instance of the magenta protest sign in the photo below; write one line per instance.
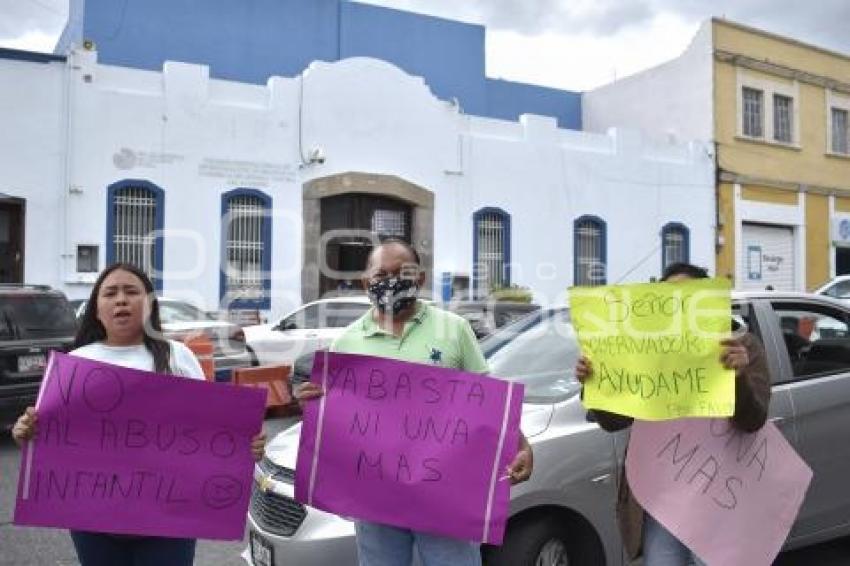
(132, 452)
(410, 445)
(728, 496)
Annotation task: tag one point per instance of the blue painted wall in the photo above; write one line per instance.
(241, 40)
(251, 40)
(448, 54)
(507, 100)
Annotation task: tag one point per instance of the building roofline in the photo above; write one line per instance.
(31, 56)
(421, 14)
(776, 36)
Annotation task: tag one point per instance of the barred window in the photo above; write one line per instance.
(674, 245)
(389, 223)
(589, 243)
(783, 107)
(135, 227)
(247, 250)
(840, 133)
(753, 103)
(492, 249)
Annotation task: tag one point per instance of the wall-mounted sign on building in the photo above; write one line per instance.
(841, 229)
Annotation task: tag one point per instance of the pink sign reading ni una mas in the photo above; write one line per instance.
(730, 497)
(410, 445)
(132, 452)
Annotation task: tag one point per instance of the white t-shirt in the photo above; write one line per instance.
(183, 361)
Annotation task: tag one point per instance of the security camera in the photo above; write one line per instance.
(317, 155)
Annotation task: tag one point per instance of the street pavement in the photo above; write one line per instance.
(27, 546)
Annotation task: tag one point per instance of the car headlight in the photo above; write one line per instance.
(276, 472)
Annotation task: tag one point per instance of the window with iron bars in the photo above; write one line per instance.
(134, 228)
(245, 248)
(840, 133)
(389, 223)
(674, 245)
(589, 262)
(492, 250)
(753, 125)
(783, 108)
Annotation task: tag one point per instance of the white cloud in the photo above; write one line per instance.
(583, 61)
(32, 25)
(36, 40)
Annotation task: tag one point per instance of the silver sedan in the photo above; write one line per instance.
(565, 513)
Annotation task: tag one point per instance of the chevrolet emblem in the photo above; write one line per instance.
(266, 483)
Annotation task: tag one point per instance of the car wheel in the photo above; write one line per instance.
(543, 541)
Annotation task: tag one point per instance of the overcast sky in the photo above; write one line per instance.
(571, 44)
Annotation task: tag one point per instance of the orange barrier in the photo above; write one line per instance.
(203, 349)
(275, 379)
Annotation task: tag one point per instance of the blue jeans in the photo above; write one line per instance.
(661, 548)
(100, 549)
(382, 545)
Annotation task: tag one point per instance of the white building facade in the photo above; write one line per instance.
(236, 195)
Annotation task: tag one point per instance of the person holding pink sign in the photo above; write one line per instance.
(121, 326)
(641, 533)
(401, 327)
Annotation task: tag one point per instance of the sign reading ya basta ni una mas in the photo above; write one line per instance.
(655, 348)
(410, 445)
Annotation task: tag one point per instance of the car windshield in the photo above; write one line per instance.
(36, 317)
(540, 351)
(173, 311)
(839, 290)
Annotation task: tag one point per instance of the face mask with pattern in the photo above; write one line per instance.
(393, 293)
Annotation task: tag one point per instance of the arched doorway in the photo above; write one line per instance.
(357, 221)
(346, 214)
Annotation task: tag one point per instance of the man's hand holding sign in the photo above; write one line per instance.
(658, 352)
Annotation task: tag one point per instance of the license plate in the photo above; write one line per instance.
(261, 551)
(31, 362)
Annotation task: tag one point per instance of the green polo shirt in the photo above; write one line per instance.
(431, 336)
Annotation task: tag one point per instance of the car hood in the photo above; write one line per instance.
(283, 448)
(196, 325)
(257, 330)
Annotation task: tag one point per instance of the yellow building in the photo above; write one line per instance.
(778, 112)
(781, 127)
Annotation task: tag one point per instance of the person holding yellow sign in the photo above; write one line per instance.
(743, 355)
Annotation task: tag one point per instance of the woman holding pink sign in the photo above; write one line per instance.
(642, 534)
(121, 326)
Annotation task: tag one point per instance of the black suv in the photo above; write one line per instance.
(34, 319)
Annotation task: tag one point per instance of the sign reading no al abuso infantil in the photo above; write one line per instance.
(132, 452)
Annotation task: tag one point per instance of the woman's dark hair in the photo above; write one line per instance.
(91, 330)
(681, 268)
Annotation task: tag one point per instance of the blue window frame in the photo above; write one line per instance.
(135, 210)
(246, 249)
(491, 250)
(675, 244)
(590, 251)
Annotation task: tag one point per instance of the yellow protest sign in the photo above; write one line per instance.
(655, 348)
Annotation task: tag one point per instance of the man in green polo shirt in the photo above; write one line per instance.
(401, 327)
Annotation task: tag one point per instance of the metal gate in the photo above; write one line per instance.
(767, 257)
(358, 220)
